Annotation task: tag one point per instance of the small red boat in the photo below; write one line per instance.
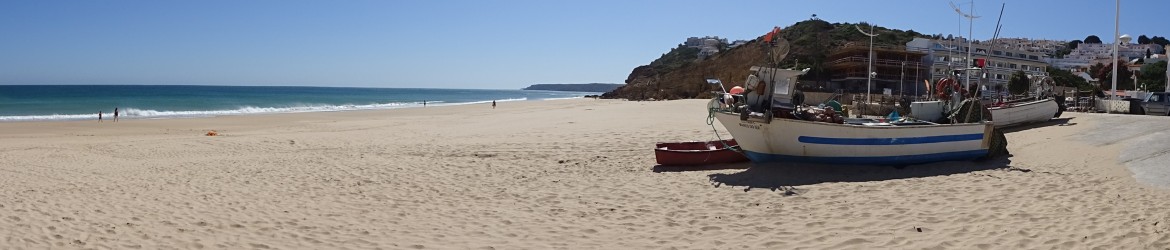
(698, 152)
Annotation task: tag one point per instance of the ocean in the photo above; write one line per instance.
(82, 102)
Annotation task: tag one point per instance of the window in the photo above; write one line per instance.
(1009, 54)
(996, 52)
(1012, 65)
(1034, 57)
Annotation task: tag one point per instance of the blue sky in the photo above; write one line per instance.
(495, 44)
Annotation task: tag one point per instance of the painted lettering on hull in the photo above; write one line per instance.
(750, 125)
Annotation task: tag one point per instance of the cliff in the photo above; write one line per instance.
(677, 75)
(585, 87)
(689, 80)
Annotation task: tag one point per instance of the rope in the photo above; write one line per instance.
(711, 122)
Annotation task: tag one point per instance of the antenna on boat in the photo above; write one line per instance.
(995, 36)
(998, 26)
(780, 50)
(970, 24)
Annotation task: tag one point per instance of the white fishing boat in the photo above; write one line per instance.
(1039, 108)
(778, 129)
(1024, 112)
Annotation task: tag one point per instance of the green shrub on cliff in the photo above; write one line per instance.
(677, 57)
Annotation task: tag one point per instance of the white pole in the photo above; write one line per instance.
(1116, 40)
(902, 80)
(970, 35)
(916, 75)
(869, 73)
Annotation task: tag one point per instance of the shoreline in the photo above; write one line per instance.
(240, 112)
(575, 173)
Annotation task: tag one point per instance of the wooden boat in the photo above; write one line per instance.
(772, 136)
(1013, 114)
(698, 153)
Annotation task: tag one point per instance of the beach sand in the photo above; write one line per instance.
(577, 174)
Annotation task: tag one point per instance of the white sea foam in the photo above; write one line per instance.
(500, 100)
(135, 113)
(562, 98)
(49, 117)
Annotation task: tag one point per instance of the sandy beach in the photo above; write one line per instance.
(571, 174)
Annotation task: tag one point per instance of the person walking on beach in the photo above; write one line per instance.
(99, 116)
(424, 103)
(115, 114)
(493, 104)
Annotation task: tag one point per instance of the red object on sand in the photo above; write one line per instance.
(698, 153)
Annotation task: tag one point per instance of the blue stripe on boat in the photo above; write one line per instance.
(870, 160)
(889, 141)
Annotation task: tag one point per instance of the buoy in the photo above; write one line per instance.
(736, 90)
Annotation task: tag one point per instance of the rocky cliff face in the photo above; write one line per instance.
(810, 43)
(690, 80)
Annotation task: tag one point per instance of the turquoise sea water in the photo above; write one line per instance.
(79, 102)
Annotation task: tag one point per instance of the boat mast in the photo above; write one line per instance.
(970, 27)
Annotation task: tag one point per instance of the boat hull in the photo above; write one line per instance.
(697, 153)
(1024, 113)
(789, 140)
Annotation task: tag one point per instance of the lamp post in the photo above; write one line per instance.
(1133, 74)
(872, 74)
(901, 80)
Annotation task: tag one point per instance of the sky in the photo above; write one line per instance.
(473, 44)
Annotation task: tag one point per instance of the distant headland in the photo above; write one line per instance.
(578, 87)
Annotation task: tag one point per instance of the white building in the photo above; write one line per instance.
(1102, 53)
(737, 43)
(944, 56)
(697, 42)
(708, 45)
(1069, 63)
(1047, 47)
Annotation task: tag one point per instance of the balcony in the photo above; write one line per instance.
(876, 63)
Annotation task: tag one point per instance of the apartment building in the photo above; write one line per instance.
(708, 45)
(896, 68)
(1047, 47)
(945, 56)
(1088, 54)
